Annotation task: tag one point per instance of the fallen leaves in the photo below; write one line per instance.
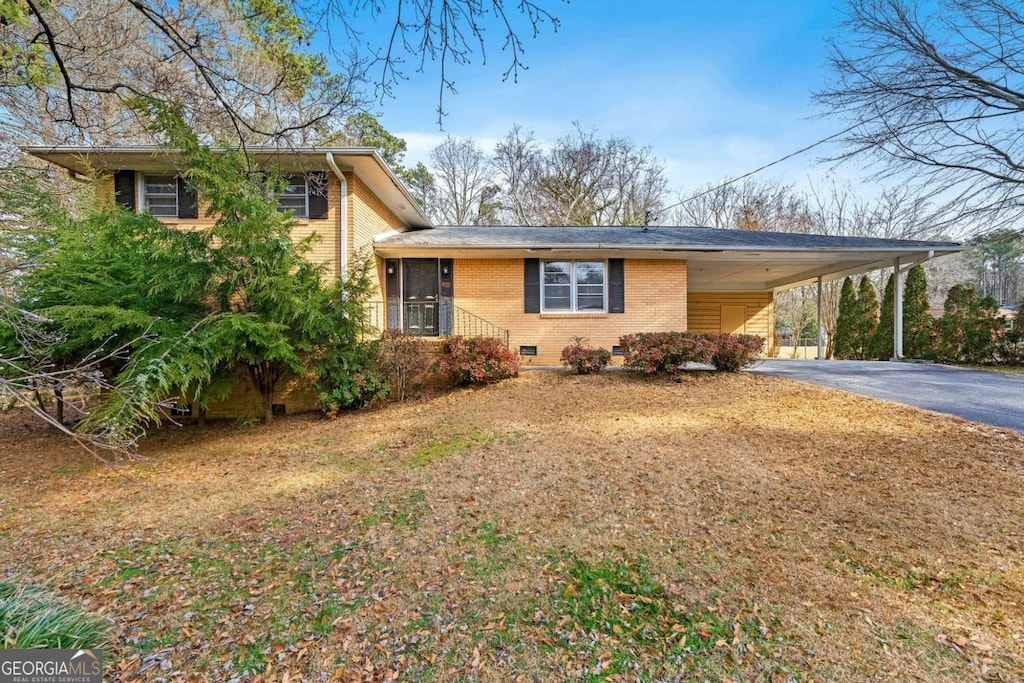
(849, 535)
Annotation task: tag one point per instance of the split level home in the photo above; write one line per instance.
(532, 287)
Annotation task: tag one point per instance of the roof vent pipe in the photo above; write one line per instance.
(342, 215)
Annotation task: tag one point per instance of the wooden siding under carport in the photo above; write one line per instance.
(707, 311)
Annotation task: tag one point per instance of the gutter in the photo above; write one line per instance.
(342, 214)
(382, 241)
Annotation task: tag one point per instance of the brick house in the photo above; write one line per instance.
(533, 287)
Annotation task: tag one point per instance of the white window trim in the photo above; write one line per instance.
(305, 196)
(573, 296)
(140, 193)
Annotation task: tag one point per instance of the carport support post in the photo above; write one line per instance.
(897, 322)
(821, 355)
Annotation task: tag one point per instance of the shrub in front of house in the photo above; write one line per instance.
(584, 359)
(365, 373)
(348, 379)
(733, 352)
(664, 353)
(477, 360)
(404, 359)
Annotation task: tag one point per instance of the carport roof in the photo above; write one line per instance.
(717, 259)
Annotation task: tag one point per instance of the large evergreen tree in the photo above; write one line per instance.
(969, 327)
(865, 318)
(159, 312)
(881, 346)
(843, 347)
(917, 321)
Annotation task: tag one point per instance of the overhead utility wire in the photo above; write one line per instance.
(808, 148)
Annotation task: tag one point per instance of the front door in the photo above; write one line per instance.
(420, 296)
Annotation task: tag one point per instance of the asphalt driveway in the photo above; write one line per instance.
(990, 397)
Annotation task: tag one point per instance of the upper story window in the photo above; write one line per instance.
(160, 195)
(294, 196)
(574, 286)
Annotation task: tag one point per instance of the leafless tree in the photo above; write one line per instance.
(943, 274)
(461, 172)
(747, 205)
(589, 181)
(580, 179)
(936, 92)
(518, 164)
(236, 68)
(449, 33)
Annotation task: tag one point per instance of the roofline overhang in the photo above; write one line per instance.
(829, 263)
(48, 152)
(381, 245)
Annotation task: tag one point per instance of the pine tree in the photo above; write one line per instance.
(865, 319)
(917, 321)
(881, 347)
(843, 347)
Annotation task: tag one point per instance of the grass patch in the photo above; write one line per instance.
(901, 576)
(31, 617)
(400, 513)
(618, 619)
(442, 448)
(492, 550)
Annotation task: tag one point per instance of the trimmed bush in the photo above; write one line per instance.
(733, 352)
(584, 359)
(663, 353)
(477, 360)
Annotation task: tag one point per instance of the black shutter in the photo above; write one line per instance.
(616, 286)
(316, 184)
(124, 189)
(531, 285)
(188, 206)
(393, 293)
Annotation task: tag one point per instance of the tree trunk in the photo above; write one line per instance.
(268, 405)
(58, 393)
(264, 378)
(202, 416)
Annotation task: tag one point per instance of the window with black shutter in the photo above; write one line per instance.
(124, 189)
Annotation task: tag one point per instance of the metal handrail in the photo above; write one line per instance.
(468, 324)
(452, 321)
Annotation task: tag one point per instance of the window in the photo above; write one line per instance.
(160, 195)
(574, 286)
(293, 196)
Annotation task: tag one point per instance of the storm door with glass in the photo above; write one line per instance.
(420, 296)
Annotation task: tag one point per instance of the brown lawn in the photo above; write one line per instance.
(551, 527)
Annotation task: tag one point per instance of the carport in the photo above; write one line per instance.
(832, 260)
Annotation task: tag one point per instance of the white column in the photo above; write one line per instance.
(897, 311)
(821, 353)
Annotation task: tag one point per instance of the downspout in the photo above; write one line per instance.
(342, 215)
(897, 311)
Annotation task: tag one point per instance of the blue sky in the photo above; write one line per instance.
(715, 88)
